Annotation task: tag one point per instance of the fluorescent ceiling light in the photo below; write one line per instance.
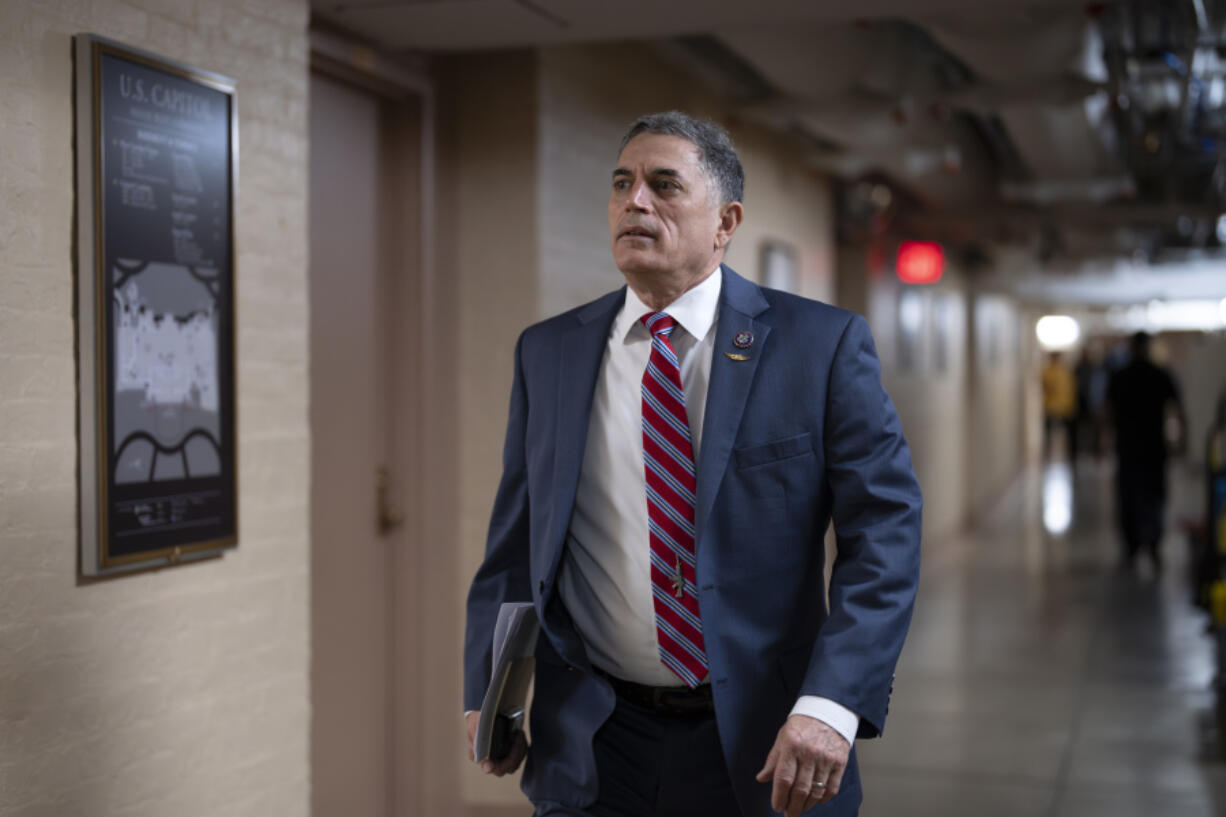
(1057, 331)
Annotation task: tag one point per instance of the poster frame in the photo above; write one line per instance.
(95, 400)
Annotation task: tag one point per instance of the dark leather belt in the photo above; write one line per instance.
(677, 700)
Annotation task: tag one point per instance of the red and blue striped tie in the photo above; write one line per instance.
(668, 459)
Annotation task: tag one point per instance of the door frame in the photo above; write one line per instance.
(417, 576)
(427, 628)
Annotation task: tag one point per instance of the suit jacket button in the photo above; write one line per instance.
(541, 587)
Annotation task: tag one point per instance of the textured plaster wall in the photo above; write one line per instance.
(1000, 369)
(487, 289)
(957, 378)
(925, 372)
(181, 692)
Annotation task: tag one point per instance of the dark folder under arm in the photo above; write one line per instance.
(502, 712)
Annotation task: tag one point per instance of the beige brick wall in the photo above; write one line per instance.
(181, 692)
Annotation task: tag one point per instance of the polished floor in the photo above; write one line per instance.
(1041, 681)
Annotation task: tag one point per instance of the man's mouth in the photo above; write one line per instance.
(636, 232)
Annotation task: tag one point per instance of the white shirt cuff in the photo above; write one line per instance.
(835, 715)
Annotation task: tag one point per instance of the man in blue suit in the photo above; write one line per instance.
(675, 452)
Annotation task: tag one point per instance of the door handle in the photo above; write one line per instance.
(387, 515)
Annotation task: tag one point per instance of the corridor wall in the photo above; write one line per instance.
(921, 339)
(1198, 361)
(181, 692)
(953, 361)
(1001, 366)
(487, 262)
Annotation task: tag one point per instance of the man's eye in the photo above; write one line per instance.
(620, 184)
(667, 184)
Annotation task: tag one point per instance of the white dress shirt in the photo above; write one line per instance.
(605, 575)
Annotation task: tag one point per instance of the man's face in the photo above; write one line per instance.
(663, 218)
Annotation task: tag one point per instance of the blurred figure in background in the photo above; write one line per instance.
(1059, 405)
(1092, 377)
(1140, 395)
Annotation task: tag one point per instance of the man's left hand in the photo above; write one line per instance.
(806, 753)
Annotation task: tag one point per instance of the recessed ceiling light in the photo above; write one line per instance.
(1057, 331)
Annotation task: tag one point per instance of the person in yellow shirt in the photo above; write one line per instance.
(1059, 404)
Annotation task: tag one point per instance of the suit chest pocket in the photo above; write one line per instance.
(773, 469)
(754, 456)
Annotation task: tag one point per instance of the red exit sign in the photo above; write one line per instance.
(920, 262)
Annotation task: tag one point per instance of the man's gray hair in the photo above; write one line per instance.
(716, 155)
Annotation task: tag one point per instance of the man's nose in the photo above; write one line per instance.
(639, 198)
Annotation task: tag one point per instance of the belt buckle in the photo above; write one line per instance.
(673, 702)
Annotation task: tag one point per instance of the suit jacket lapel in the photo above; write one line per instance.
(582, 349)
(728, 391)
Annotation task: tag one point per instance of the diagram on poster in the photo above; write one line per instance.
(167, 421)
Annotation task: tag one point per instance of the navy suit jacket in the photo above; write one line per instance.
(799, 435)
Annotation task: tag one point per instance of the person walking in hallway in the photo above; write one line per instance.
(675, 452)
(1141, 396)
(1059, 405)
(1091, 377)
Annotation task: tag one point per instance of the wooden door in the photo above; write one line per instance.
(354, 387)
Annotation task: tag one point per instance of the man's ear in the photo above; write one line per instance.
(730, 217)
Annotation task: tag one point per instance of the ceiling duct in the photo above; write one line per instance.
(1169, 105)
(1042, 72)
(879, 92)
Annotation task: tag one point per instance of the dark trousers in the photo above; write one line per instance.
(652, 765)
(1140, 499)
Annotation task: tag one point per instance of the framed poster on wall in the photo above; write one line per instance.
(156, 146)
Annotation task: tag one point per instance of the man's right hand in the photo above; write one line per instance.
(498, 768)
